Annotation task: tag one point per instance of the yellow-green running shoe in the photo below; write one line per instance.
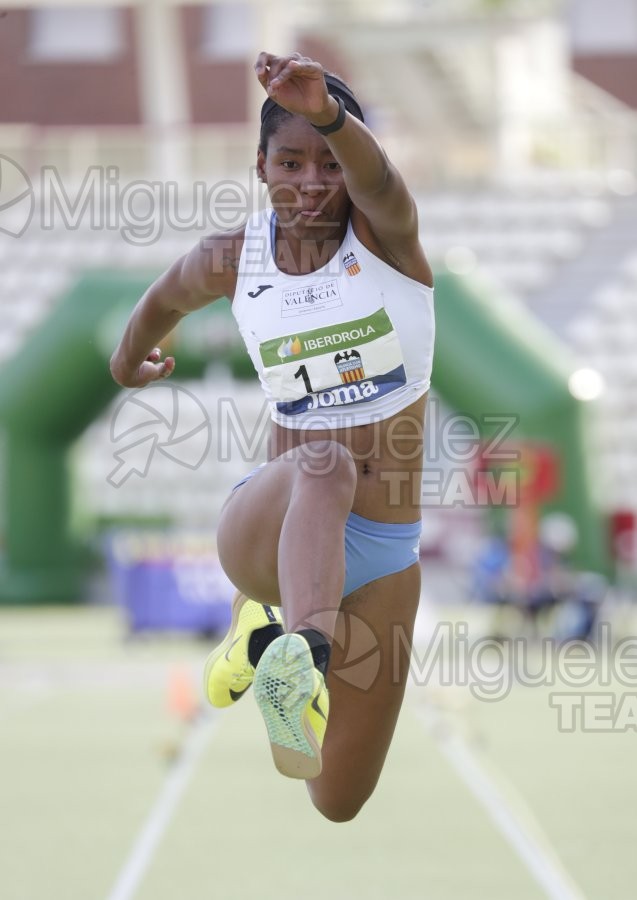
(228, 672)
(291, 694)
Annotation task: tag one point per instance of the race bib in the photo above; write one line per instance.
(351, 362)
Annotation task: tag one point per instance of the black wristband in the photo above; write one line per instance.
(338, 122)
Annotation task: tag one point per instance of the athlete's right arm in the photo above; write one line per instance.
(208, 272)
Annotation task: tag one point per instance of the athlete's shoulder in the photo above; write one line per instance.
(407, 257)
(212, 266)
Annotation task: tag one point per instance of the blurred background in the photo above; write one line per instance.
(127, 134)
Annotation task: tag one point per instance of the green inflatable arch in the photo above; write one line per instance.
(490, 360)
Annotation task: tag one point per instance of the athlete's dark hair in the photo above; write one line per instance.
(273, 115)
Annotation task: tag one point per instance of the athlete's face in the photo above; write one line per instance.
(305, 183)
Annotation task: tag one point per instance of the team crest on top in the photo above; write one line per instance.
(351, 264)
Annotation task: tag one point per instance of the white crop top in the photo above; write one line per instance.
(348, 344)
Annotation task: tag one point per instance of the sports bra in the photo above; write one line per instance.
(348, 344)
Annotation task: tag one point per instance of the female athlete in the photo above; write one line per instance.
(333, 297)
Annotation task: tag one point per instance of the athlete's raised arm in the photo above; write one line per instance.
(375, 186)
(206, 273)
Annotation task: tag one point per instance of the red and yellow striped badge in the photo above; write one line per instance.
(351, 264)
(352, 375)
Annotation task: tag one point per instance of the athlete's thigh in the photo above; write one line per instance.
(249, 528)
(367, 676)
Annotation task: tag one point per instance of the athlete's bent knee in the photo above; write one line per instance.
(341, 809)
(327, 460)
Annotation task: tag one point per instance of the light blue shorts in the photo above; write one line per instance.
(373, 549)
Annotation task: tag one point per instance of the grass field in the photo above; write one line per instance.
(106, 794)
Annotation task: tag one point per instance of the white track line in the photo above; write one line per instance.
(162, 812)
(508, 813)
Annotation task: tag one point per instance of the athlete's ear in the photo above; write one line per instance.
(261, 165)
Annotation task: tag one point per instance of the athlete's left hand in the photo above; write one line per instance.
(296, 83)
